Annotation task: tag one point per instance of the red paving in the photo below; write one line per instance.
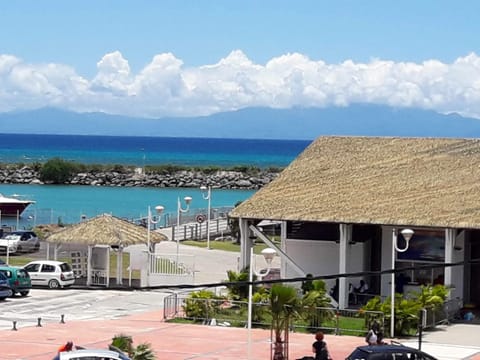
(169, 341)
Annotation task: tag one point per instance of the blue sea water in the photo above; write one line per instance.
(138, 150)
(68, 203)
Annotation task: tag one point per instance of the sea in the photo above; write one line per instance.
(69, 204)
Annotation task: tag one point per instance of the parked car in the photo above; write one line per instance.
(388, 352)
(93, 354)
(20, 241)
(5, 289)
(53, 274)
(18, 278)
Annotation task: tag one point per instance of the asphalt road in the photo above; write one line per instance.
(76, 304)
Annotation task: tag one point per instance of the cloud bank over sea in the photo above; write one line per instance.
(165, 87)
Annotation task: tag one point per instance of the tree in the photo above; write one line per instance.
(285, 305)
(238, 291)
(124, 343)
(317, 304)
(57, 171)
(234, 225)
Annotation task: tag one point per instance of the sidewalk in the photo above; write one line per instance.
(184, 341)
(169, 341)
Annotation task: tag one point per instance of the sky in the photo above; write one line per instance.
(189, 58)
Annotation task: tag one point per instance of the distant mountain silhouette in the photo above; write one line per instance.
(259, 123)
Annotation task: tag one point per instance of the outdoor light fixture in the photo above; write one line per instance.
(268, 254)
(159, 209)
(407, 235)
(207, 195)
(187, 200)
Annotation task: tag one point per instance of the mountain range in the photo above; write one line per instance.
(251, 123)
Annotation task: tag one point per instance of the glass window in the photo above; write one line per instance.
(48, 268)
(7, 273)
(33, 267)
(65, 267)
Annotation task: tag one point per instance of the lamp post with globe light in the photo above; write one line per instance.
(150, 221)
(268, 254)
(180, 210)
(207, 195)
(407, 235)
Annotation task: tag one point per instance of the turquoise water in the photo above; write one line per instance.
(68, 203)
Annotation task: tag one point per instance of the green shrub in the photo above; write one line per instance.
(57, 171)
(199, 304)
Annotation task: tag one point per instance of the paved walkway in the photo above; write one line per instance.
(182, 341)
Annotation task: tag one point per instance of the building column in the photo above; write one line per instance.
(449, 244)
(345, 239)
(245, 244)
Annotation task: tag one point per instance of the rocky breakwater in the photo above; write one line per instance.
(221, 179)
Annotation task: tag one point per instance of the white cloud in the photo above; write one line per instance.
(165, 87)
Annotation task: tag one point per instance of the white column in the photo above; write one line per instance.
(89, 265)
(345, 238)
(449, 243)
(245, 243)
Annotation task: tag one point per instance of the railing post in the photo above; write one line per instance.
(14, 328)
(62, 319)
(420, 329)
(39, 322)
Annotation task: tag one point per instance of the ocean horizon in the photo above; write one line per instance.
(141, 150)
(67, 204)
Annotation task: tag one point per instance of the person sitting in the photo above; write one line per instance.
(359, 292)
(362, 288)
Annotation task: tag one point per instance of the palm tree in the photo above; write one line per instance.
(317, 304)
(285, 305)
(124, 343)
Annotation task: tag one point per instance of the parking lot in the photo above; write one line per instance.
(75, 304)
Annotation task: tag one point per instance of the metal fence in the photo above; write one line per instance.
(234, 313)
(449, 312)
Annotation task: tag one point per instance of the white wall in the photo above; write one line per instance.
(322, 258)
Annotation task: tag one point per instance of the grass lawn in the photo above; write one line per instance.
(223, 245)
(21, 260)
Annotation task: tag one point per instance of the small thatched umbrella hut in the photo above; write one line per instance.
(104, 232)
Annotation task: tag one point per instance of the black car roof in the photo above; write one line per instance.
(364, 350)
(385, 348)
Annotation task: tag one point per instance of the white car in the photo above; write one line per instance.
(92, 354)
(19, 241)
(54, 274)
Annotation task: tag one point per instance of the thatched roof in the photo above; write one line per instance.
(104, 230)
(372, 180)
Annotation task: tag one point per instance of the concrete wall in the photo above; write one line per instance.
(318, 257)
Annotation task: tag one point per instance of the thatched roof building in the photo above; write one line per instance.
(104, 230)
(370, 180)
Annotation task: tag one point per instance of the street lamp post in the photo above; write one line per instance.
(207, 195)
(407, 235)
(159, 209)
(268, 254)
(187, 200)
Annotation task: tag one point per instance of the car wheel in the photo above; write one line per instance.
(2, 298)
(53, 284)
(24, 293)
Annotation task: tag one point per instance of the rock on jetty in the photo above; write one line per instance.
(221, 179)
